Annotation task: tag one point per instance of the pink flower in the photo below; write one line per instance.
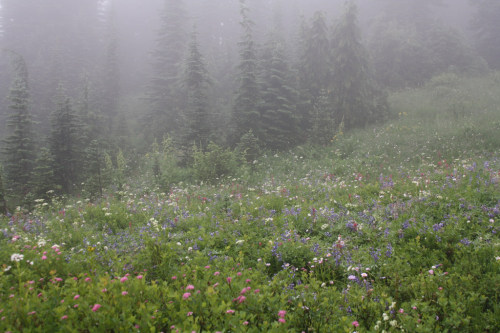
(190, 287)
(207, 267)
(104, 290)
(87, 279)
(76, 297)
(190, 313)
(282, 320)
(229, 279)
(256, 291)
(75, 306)
(401, 311)
(174, 277)
(96, 307)
(230, 311)
(431, 272)
(216, 273)
(44, 257)
(186, 295)
(248, 280)
(124, 293)
(282, 313)
(64, 317)
(246, 323)
(139, 277)
(239, 273)
(355, 323)
(123, 279)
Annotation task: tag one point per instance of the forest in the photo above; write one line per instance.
(249, 166)
(89, 88)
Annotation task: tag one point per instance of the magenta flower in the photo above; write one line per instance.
(139, 277)
(124, 293)
(96, 307)
(229, 279)
(76, 297)
(431, 272)
(190, 287)
(174, 277)
(186, 295)
(282, 320)
(123, 279)
(190, 313)
(281, 313)
(230, 311)
(64, 317)
(355, 323)
(216, 273)
(44, 257)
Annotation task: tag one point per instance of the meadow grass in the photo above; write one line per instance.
(390, 228)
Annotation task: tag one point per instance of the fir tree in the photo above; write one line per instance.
(355, 96)
(168, 56)
(279, 97)
(3, 200)
(64, 143)
(19, 145)
(246, 114)
(196, 122)
(314, 65)
(43, 178)
(322, 122)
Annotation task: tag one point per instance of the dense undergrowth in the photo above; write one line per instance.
(391, 228)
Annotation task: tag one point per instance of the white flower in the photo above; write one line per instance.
(240, 241)
(7, 268)
(16, 257)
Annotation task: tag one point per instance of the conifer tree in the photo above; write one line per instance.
(18, 146)
(279, 97)
(43, 178)
(64, 143)
(314, 65)
(168, 56)
(356, 99)
(322, 121)
(196, 122)
(3, 200)
(246, 114)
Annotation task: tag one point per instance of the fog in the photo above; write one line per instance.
(110, 51)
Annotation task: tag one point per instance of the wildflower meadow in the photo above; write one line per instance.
(389, 229)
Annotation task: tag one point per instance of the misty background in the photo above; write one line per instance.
(109, 62)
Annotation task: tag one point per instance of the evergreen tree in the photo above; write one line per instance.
(322, 122)
(355, 96)
(43, 178)
(19, 145)
(487, 28)
(246, 114)
(196, 122)
(314, 65)
(96, 176)
(64, 143)
(3, 200)
(168, 56)
(279, 97)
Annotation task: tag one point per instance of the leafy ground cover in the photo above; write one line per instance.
(395, 228)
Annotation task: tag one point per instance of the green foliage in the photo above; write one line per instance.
(249, 147)
(246, 114)
(164, 94)
(3, 200)
(19, 146)
(213, 164)
(279, 98)
(65, 145)
(357, 101)
(196, 114)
